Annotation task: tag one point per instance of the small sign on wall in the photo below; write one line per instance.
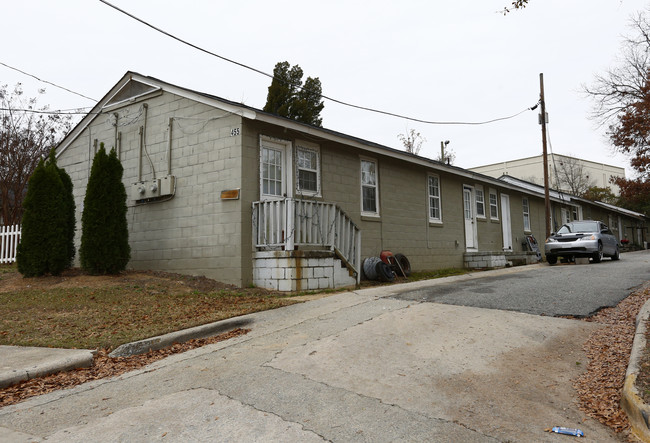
(230, 194)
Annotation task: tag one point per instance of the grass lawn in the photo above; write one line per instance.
(102, 312)
(119, 310)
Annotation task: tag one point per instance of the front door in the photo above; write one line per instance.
(506, 226)
(275, 169)
(565, 215)
(471, 241)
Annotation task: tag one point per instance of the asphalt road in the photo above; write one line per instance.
(559, 290)
(377, 365)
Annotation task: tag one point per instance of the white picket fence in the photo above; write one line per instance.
(9, 239)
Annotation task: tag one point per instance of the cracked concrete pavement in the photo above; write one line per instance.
(356, 366)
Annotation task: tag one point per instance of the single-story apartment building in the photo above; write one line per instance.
(221, 189)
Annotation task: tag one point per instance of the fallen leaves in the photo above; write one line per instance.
(103, 367)
(608, 349)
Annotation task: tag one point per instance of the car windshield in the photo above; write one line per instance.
(578, 227)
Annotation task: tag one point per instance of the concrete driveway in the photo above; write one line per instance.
(358, 366)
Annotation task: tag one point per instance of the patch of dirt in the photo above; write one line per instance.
(608, 349)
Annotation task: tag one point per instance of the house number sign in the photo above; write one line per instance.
(234, 132)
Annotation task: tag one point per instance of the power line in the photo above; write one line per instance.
(45, 81)
(76, 111)
(429, 122)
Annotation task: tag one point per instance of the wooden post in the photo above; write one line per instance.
(547, 201)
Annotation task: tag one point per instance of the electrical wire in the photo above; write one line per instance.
(49, 83)
(61, 112)
(258, 71)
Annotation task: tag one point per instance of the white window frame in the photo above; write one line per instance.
(526, 210)
(493, 192)
(287, 176)
(434, 197)
(314, 148)
(478, 191)
(375, 186)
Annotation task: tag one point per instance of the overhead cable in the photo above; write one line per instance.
(49, 83)
(429, 122)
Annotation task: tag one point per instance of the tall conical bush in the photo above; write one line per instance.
(68, 208)
(105, 236)
(47, 238)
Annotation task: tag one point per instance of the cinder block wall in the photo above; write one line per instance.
(195, 232)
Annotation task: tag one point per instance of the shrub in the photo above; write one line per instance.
(105, 236)
(46, 244)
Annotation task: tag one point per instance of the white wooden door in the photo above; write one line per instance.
(275, 169)
(470, 218)
(506, 225)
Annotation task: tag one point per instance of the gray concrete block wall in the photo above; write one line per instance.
(482, 260)
(299, 271)
(195, 232)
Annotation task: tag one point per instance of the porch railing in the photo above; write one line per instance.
(289, 223)
(9, 239)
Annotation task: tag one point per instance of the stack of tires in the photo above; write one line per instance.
(386, 267)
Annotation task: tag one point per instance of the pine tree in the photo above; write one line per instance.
(44, 246)
(288, 97)
(105, 236)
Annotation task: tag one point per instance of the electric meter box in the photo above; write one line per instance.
(167, 185)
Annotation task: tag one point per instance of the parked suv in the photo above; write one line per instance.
(585, 238)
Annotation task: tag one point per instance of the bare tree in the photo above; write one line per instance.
(616, 90)
(412, 141)
(622, 103)
(570, 176)
(27, 133)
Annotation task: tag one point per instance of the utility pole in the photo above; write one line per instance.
(542, 121)
(443, 145)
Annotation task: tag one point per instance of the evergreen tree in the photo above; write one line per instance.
(307, 106)
(68, 208)
(105, 236)
(288, 97)
(44, 246)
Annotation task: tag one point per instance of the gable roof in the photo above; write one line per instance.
(133, 86)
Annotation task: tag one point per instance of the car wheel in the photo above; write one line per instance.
(598, 256)
(551, 259)
(617, 254)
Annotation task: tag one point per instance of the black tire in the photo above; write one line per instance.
(551, 259)
(617, 254)
(404, 264)
(384, 272)
(598, 256)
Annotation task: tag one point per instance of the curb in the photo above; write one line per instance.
(162, 341)
(69, 359)
(637, 411)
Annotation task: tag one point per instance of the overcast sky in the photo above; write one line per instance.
(431, 60)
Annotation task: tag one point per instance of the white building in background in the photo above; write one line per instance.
(532, 170)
